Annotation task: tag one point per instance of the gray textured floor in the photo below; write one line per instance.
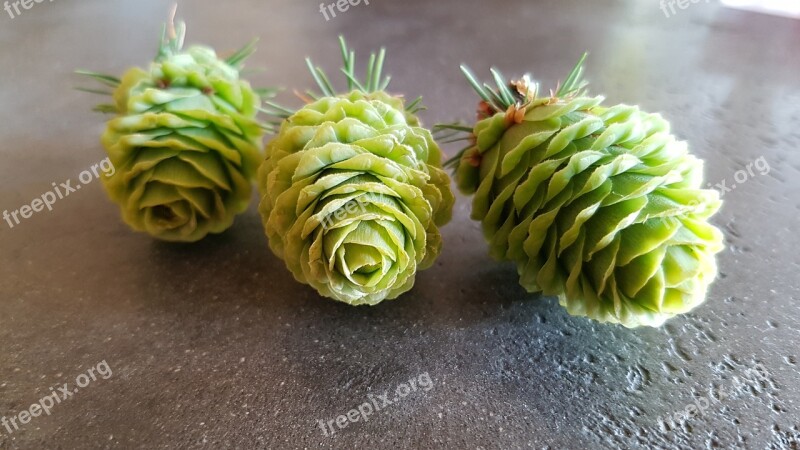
(214, 345)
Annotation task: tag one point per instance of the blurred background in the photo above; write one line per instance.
(213, 345)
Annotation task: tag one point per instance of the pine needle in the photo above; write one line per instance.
(496, 101)
(106, 108)
(108, 80)
(93, 91)
(372, 81)
(502, 88)
(376, 76)
(348, 60)
(458, 139)
(277, 107)
(242, 54)
(453, 126)
(417, 102)
(315, 72)
(502, 98)
(574, 82)
(266, 92)
(473, 80)
(455, 161)
(385, 83)
(352, 81)
(370, 69)
(327, 82)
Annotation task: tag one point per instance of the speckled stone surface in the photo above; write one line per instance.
(213, 345)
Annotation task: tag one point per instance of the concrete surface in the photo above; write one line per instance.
(213, 345)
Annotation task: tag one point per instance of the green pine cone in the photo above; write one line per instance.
(353, 193)
(185, 142)
(600, 206)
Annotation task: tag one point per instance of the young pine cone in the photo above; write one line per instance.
(353, 193)
(185, 142)
(600, 206)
